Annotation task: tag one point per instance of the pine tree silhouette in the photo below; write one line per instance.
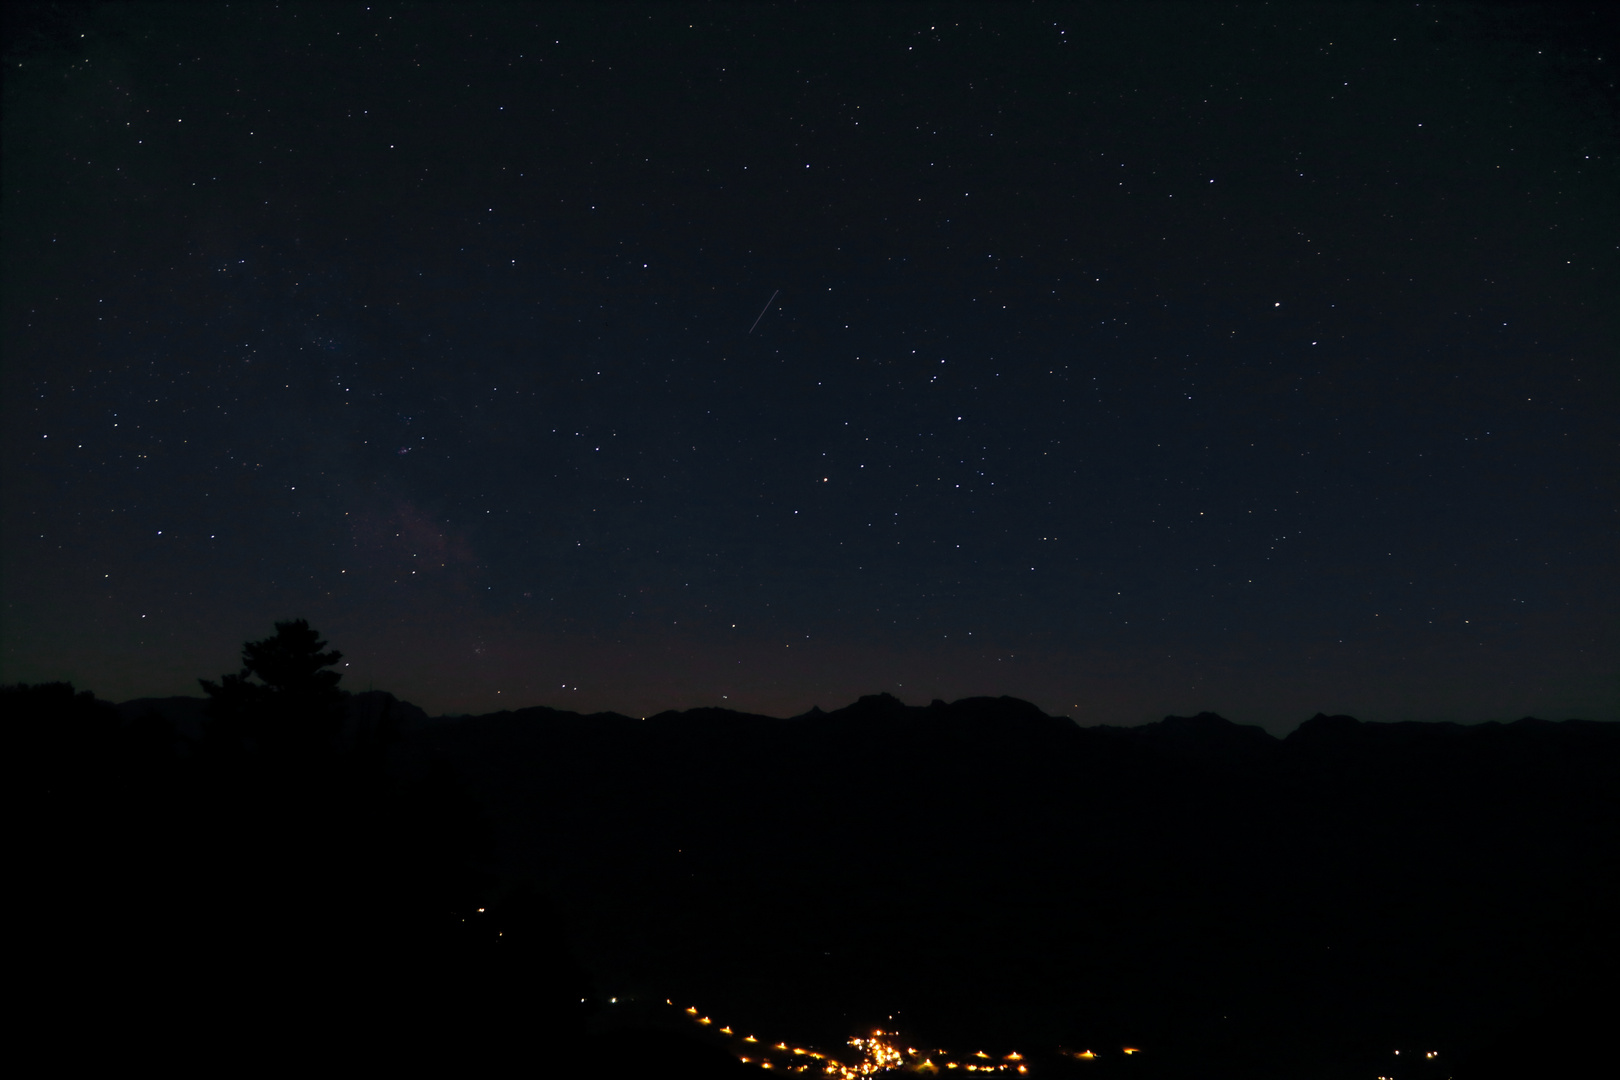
(295, 707)
(280, 891)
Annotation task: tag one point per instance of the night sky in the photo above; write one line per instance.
(1130, 360)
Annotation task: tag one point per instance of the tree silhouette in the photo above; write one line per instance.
(284, 888)
(295, 707)
(358, 892)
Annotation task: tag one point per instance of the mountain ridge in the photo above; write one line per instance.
(1205, 727)
(982, 870)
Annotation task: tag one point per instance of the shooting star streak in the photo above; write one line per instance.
(763, 310)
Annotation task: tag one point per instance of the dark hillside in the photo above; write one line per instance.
(982, 873)
(983, 870)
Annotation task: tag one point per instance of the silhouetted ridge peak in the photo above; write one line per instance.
(1323, 728)
(1207, 735)
(1207, 728)
(371, 706)
(713, 717)
(1000, 708)
(995, 711)
(873, 705)
(1204, 721)
(544, 712)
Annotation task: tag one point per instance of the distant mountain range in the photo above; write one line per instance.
(979, 870)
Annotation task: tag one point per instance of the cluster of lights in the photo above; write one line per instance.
(1430, 1056)
(880, 1052)
(1092, 1055)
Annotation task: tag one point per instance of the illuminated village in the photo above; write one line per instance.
(880, 1052)
(884, 1051)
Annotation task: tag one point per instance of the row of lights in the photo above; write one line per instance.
(879, 1053)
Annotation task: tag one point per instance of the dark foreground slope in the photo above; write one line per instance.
(224, 905)
(979, 871)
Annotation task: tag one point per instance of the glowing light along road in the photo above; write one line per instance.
(880, 1052)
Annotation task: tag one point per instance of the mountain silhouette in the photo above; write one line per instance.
(986, 868)
(980, 871)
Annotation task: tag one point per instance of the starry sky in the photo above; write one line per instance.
(1128, 359)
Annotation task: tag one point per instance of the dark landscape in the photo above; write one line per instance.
(842, 539)
(976, 876)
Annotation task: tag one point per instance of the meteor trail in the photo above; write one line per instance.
(763, 310)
